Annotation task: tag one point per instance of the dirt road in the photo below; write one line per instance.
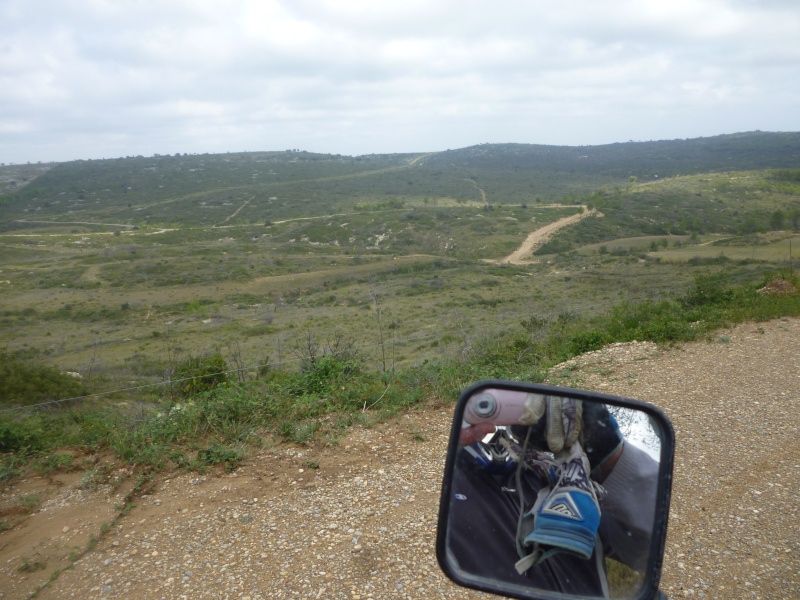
(538, 238)
(357, 520)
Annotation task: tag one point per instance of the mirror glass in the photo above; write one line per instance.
(552, 492)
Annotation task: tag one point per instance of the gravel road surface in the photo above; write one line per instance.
(358, 520)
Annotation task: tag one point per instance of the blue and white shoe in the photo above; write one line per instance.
(566, 520)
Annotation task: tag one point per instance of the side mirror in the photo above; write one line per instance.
(553, 492)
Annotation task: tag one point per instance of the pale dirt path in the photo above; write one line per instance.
(238, 210)
(362, 524)
(483, 193)
(129, 226)
(414, 161)
(538, 238)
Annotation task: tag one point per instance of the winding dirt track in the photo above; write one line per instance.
(538, 238)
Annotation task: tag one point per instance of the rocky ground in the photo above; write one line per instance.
(358, 520)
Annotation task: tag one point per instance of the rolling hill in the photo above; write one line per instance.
(116, 266)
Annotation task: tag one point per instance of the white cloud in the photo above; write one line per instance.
(96, 78)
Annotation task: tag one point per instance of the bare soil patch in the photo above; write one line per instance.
(780, 287)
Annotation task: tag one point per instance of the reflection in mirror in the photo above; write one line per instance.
(553, 493)
(637, 429)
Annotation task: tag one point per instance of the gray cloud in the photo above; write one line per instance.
(96, 78)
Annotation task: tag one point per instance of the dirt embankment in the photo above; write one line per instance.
(358, 520)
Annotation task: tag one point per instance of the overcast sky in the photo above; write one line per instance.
(109, 78)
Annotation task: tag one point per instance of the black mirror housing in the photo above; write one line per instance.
(478, 537)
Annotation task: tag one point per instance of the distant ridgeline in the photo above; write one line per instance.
(185, 189)
(643, 160)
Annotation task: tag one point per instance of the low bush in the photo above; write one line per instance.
(586, 341)
(21, 435)
(26, 381)
(327, 373)
(217, 454)
(55, 462)
(198, 374)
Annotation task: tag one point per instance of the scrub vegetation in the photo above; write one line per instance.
(178, 310)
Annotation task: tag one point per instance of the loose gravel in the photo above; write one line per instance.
(735, 403)
(358, 520)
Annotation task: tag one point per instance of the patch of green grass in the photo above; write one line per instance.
(31, 566)
(55, 462)
(10, 466)
(101, 474)
(29, 502)
(217, 454)
(419, 435)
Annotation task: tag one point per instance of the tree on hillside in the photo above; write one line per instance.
(27, 382)
(794, 216)
(750, 225)
(777, 220)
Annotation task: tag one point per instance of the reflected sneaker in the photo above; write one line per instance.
(568, 518)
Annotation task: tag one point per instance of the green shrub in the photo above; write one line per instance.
(327, 373)
(55, 462)
(586, 341)
(708, 289)
(217, 454)
(297, 432)
(9, 467)
(31, 567)
(199, 374)
(660, 322)
(21, 436)
(24, 382)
